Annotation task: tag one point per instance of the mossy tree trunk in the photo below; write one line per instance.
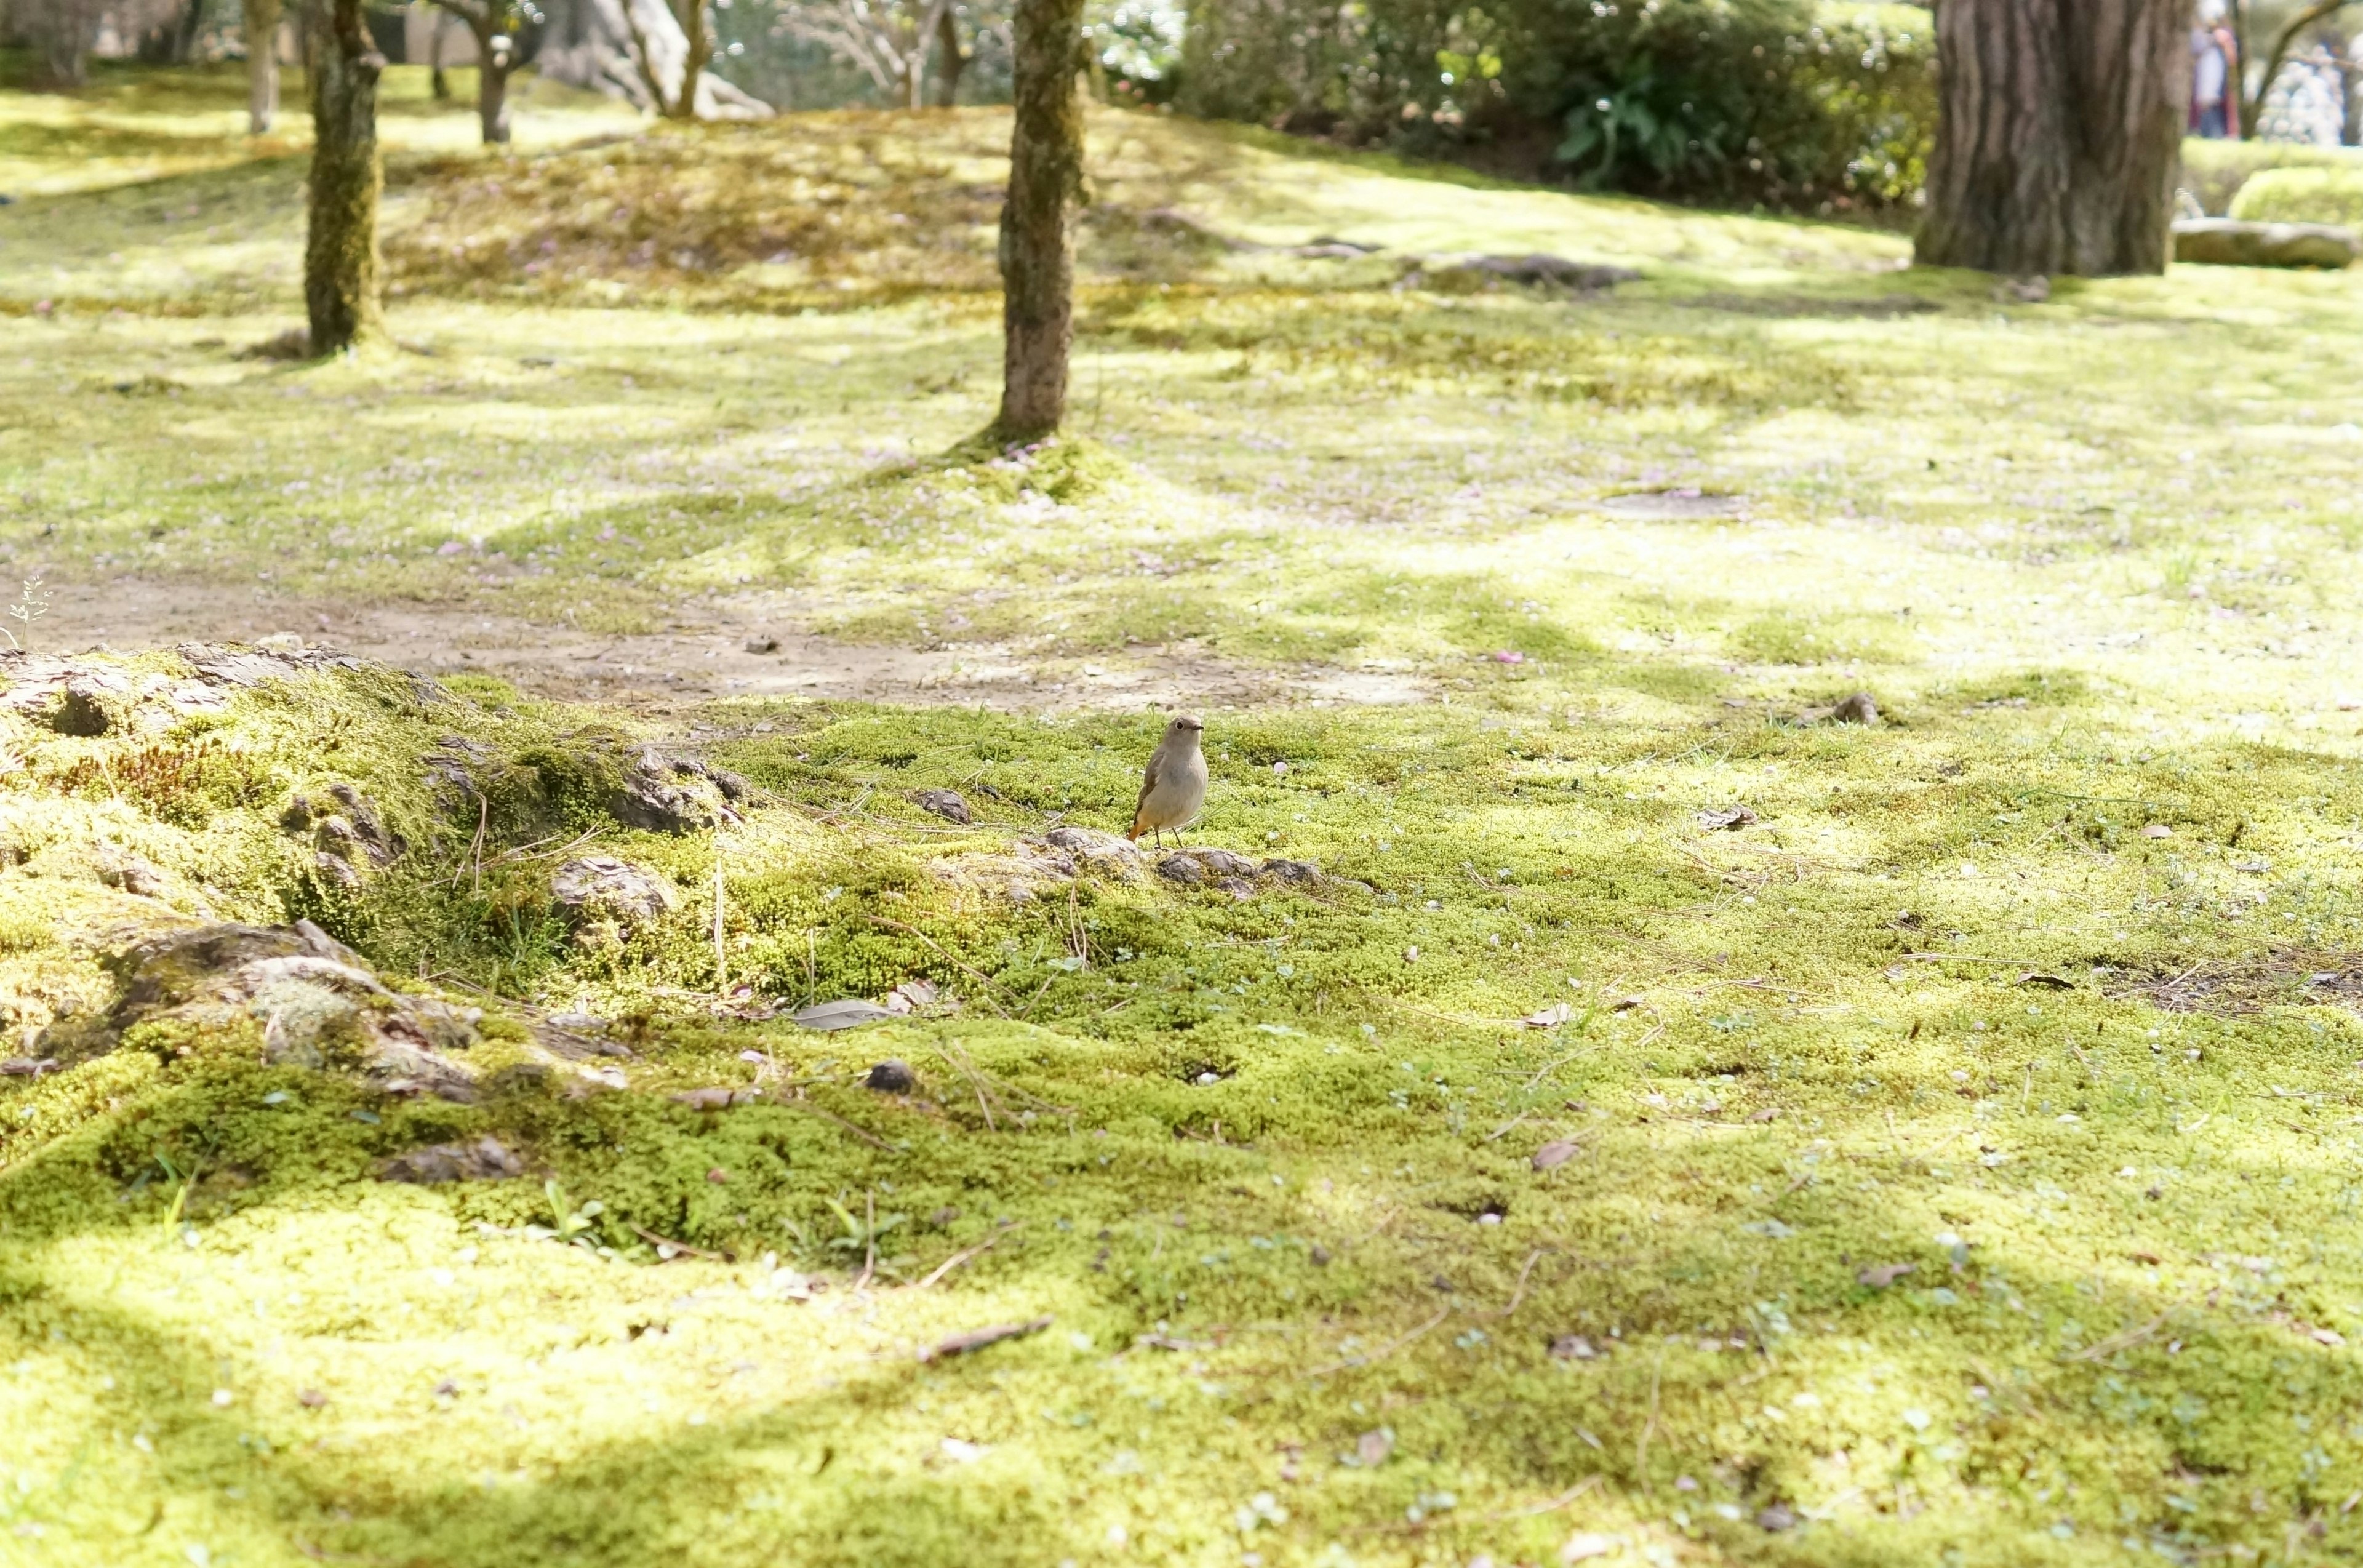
(2058, 135)
(1037, 237)
(340, 253)
(261, 22)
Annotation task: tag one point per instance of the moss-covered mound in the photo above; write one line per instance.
(1749, 1139)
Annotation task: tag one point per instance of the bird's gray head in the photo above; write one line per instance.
(1183, 724)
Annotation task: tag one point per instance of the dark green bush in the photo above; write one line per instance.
(1787, 102)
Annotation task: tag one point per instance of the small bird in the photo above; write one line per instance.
(1174, 786)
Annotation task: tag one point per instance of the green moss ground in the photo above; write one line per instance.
(2094, 557)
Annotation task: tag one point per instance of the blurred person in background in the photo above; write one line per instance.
(2215, 68)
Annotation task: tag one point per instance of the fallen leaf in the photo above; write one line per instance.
(978, 1339)
(2149, 1258)
(1572, 1348)
(2157, 830)
(311, 1400)
(1372, 1447)
(1508, 656)
(1879, 1276)
(27, 1066)
(1558, 1152)
(1550, 1018)
(1585, 1545)
(1779, 1517)
(1766, 1114)
(850, 1012)
(1733, 818)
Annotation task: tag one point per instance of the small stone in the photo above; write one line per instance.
(946, 804)
(891, 1077)
(311, 1400)
(1572, 1348)
(602, 884)
(487, 1158)
(1777, 1517)
(1856, 709)
(1730, 820)
(763, 643)
(1558, 1152)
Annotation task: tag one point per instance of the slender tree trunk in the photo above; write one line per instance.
(1037, 240)
(2058, 135)
(184, 36)
(439, 80)
(692, 15)
(68, 50)
(496, 57)
(341, 254)
(951, 59)
(262, 27)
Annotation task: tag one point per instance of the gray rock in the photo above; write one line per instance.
(763, 643)
(1184, 870)
(1296, 873)
(1105, 853)
(1856, 709)
(1238, 887)
(320, 1004)
(1222, 863)
(2228, 243)
(487, 1158)
(602, 885)
(946, 804)
(132, 875)
(660, 794)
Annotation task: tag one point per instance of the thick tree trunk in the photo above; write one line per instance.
(951, 59)
(1037, 240)
(2058, 135)
(261, 26)
(341, 254)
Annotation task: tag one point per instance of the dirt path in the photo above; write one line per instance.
(721, 654)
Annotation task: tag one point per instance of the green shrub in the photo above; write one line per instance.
(1786, 102)
(2215, 172)
(2302, 195)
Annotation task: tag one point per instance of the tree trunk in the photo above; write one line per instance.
(340, 255)
(262, 27)
(496, 57)
(951, 59)
(68, 50)
(184, 36)
(1037, 240)
(2058, 135)
(690, 14)
(439, 80)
